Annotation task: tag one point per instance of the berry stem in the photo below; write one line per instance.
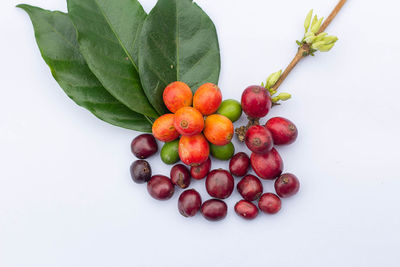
(305, 49)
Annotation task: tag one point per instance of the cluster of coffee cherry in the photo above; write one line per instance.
(186, 121)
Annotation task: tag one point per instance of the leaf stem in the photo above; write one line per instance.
(149, 119)
(304, 50)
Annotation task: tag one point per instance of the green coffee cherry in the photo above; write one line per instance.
(169, 152)
(231, 109)
(222, 152)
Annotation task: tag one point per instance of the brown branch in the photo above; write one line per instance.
(305, 49)
(332, 16)
(302, 52)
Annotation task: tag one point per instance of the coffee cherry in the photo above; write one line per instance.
(193, 150)
(219, 184)
(256, 101)
(258, 139)
(180, 176)
(231, 109)
(283, 131)
(214, 209)
(269, 203)
(144, 146)
(207, 99)
(163, 128)
(246, 209)
(200, 172)
(250, 187)
(287, 185)
(267, 166)
(140, 171)
(239, 164)
(188, 121)
(160, 187)
(177, 95)
(218, 130)
(189, 203)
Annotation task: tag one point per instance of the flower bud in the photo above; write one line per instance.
(317, 25)
(272, 92)
(284, 96)
(307, 22)
(325, 48)
(330, 39)
(275, 99)
(316, 45)
(315, 20)
(320, 36)
(273, 78)
(310, 39)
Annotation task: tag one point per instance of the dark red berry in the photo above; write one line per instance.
(189, 203)
(144, 146)
(256, 101)
(269, 203)
(246, 209)
(219, 184)
(287, 185)
(180, 176)
(283, 131)
(267, 166)
(200, 172)
(160, 187)
(239, 164)
(214, 209)
(258, 139)
(250, 187)
(140, 171)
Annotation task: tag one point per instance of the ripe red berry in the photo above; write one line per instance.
(246, 209)
(267, 166)
(250, 187)
(258, 139)
(219, 184)
(144, 146)
(200, 172)
(193, 150)
(189, 203)
(239, 164)
(180, 176)
(256, 101)
(287, 185)
(214, 209)
(283, 131)
(160, 187)
(269, 203)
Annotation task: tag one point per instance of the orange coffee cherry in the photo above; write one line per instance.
(207, 99)
(218, 129)
(164, 129)
(188, 121)
(177, 95)
(193, 150)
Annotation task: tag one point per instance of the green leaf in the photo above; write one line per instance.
(178, 43)
(107, 34)
(56, 38)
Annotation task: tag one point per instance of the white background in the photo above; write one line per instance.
(67, 199)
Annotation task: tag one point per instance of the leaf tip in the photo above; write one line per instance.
(22, 6)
